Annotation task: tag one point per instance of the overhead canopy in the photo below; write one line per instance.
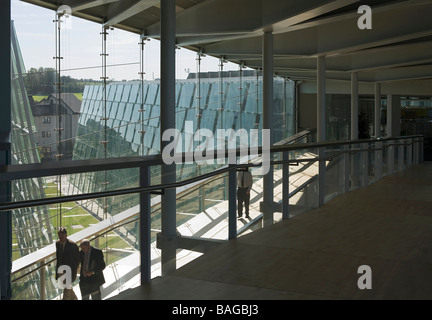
(398, 47)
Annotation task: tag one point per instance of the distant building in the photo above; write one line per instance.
(133, 124)
(46, 119)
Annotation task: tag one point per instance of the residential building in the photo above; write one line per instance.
(46, 116)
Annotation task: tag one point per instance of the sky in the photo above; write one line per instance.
(81, 48)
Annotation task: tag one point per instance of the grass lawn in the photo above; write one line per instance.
(75, 219)
(39, 98)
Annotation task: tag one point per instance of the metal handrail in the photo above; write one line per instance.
(213, 174)
(158, 189)
(44, 169)
(210, 177)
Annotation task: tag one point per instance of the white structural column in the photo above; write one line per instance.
(354, 106)
(321, 98)
(377, 121)
(389, 127)
(267, 206)
(377, 126)
(393, 115)
(321, 128)
(356, 158)
(167, 240)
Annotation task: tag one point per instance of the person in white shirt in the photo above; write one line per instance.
(244, 185)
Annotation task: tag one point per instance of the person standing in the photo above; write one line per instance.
(92, 266)
(244, 185)
(67, 254)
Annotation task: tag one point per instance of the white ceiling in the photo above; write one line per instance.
(398, 47)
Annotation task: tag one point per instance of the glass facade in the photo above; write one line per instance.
(32, 227)
(127, 123)
(338, 116)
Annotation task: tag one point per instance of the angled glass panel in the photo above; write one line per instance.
(187, 95)
(128, 112)
(119, 92)
(126, 93)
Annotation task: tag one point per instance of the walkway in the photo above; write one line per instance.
(316, 255)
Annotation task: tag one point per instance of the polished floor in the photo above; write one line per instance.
(386, 226)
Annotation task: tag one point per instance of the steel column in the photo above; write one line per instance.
(267, 206)
(145, 226)
(167, 118)
(285, 187)
(377, 126)
(321, 128)
(377, 122)
(5, 156)
(354, 106)
(232, 204)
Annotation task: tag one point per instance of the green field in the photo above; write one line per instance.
(75, 219)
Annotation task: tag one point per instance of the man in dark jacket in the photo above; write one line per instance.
(92, 266)
(67, 254)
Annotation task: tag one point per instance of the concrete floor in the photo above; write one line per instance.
(316, 255)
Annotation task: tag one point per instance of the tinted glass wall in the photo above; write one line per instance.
(127, 123)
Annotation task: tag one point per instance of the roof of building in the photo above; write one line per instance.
(48, 105)
(71, 101)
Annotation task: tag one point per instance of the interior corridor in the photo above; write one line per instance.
(317, 255)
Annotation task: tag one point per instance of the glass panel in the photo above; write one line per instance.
(128, 112)
(126, 92)
(232, 99)
(119, 92)
(154, 119)
(202, 211)
(135, 93)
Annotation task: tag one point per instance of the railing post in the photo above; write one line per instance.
(321, 176)
(42, 281)
(401, 148)
(415, 151)
(354, 166)
(202, 193)
(409, 152)
(378, 160)
(390, 157)
(346, 169)
(232, 203)
(421, 155)
(364, 155)
(145, 226)
(285, 187)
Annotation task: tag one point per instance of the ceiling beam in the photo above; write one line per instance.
(245, 17)
(120, 13)
(366, 60)
(338, 37)
(79, 5)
